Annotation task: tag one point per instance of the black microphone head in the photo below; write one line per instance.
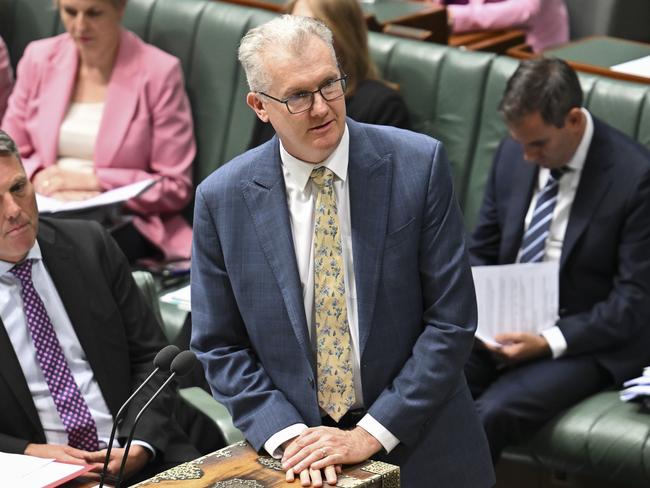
(183, 363)
(165, 356)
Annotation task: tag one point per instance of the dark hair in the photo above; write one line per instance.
(8, 146)
(545, 85)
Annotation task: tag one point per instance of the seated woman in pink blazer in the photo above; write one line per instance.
(96, 108)
(546, 22)
(6, 78)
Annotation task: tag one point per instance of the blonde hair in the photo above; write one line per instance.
(346, 21)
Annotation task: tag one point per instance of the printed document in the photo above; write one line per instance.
(117, 195)
(516, 298)
(34, 472)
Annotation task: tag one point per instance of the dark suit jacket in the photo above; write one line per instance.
(416, 303)
(605, 262)
(116, 329)
(373, 102)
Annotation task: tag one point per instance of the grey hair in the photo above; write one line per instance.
(283, 35)
(8, 146)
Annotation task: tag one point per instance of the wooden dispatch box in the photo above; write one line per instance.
(239, 466)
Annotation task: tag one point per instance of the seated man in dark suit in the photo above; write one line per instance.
(564, 187)
(76, 339)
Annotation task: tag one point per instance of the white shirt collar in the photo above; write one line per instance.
(299, 171)
(34, 253)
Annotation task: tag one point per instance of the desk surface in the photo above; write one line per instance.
(600, 51)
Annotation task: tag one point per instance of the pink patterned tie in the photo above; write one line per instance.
(72, 409)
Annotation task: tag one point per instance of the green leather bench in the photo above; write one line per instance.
(452, 95)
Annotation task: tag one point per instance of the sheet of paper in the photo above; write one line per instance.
(34, 472)
(516, 298)
(180, 298)
(638, 67)
(117, 195)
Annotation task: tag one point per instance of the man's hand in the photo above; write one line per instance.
(325, 447)
(516, 347)
(58, 452)
(138, 458)
(54, 179)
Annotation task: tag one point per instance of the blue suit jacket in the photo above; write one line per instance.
(417, 311)
(605, 262)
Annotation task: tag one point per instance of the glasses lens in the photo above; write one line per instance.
(333, 90)
(300, 103)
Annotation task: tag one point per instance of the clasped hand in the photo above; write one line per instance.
(327, 449)
(138, 458)
(515, 347)
(66, 184)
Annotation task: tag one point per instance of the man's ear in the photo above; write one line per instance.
(575, 117)
(254, 101)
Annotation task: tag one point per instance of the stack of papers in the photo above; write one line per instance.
(637, 388)
(34, 472)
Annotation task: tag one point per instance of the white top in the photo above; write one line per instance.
(301, 199)
(77, 136)
(13, 318)
(565, 196)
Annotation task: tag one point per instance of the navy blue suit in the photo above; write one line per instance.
(604, 282)
(415, 295)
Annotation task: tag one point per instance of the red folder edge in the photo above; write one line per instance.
(83, 468)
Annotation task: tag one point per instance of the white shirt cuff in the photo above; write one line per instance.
(556, 341)
(379, 432)
(274, 443)
(147, 446)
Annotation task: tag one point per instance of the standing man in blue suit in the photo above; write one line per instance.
(333, 305)
(564, 187)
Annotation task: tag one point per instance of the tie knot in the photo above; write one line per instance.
(557, 173)
(23, 271)
(323, 177)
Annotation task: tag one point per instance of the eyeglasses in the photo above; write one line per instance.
(303, 101)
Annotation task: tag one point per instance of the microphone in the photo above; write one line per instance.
(181, 365)
(162, 362)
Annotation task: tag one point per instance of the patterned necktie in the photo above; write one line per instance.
(534, 241)
(333, 343)
(70, 405)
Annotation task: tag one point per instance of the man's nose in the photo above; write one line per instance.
(11, 209)
(320, 104)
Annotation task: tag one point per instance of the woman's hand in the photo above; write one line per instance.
(53, 179)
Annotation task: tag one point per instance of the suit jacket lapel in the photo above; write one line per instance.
(593, 185)
(79, 302)
(121, 100)
(55, 99)
(13, 375)
(523, 183)
(370, 177)
(265, 196)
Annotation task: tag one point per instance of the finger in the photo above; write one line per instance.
(316, 478)
(339, 469)
(305, 480)
(330, 475)
(290, 476)
(318, 459)
(304, 458)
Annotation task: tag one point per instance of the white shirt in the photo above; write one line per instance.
(565, 196)
(301, 199)
(78, 134)
(13, 318)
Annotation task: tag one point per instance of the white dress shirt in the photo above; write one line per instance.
(301, 199)
(13, 318)
(565, 196)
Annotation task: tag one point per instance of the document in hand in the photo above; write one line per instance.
(516, 298)
(111, 197)
(34, 472)
(637, 387)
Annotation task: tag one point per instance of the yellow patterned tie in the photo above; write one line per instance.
(333, 344)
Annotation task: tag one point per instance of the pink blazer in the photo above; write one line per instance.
(6, 77)
(546, 22)
(146, 129)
